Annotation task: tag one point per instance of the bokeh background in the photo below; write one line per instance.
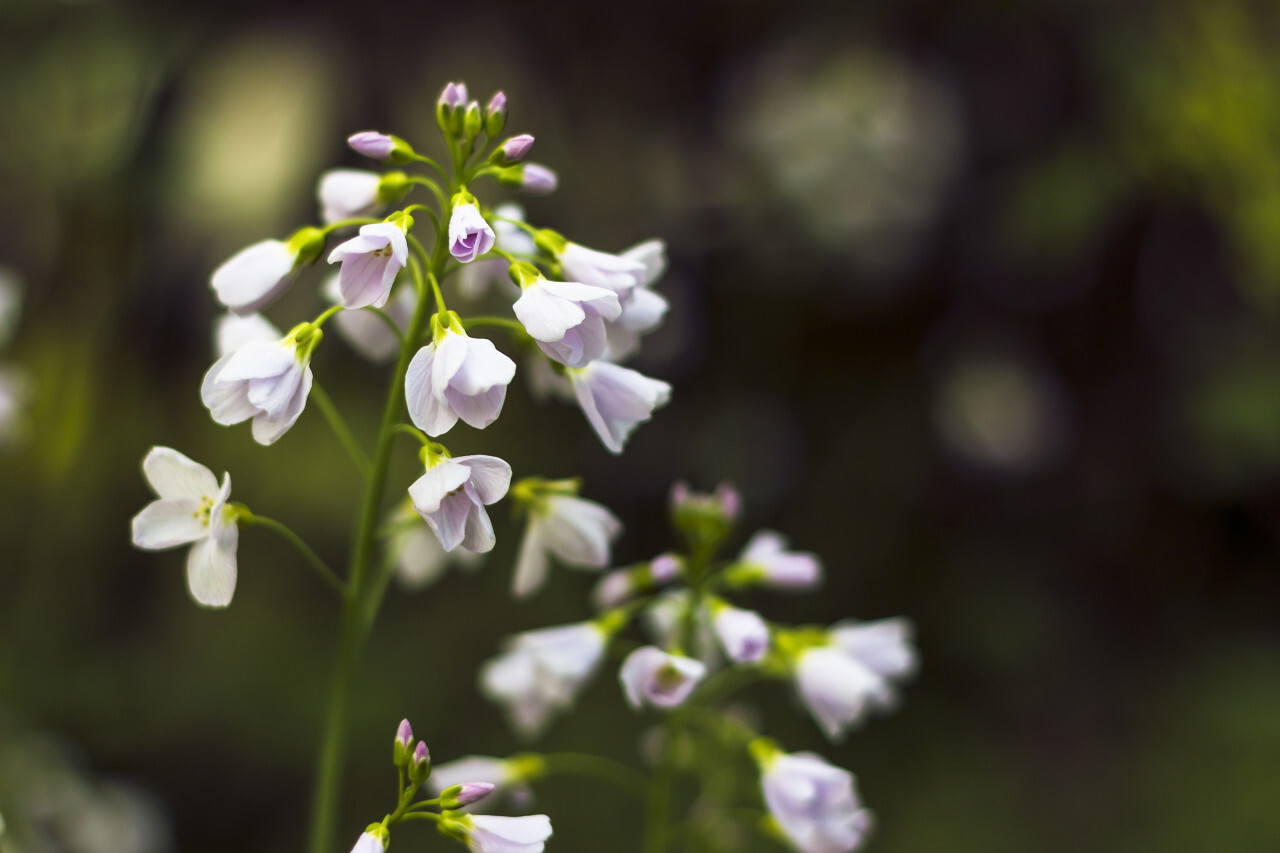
(978, 301)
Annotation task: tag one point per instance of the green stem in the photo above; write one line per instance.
(503, 322)
(340, 429)
(435, 189)
(312, 558)
(576, 764)
(391, 324)
(346, 223)
(658, 815)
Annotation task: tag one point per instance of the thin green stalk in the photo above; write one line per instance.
(579, 764)
(658, 814)
(311, 557)
(501, 322)
(340, 429)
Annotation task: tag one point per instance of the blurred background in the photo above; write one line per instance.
(977, 301)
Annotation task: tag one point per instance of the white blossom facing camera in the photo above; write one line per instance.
(470, 236)
(616, 399)
(266, 381)
(653, 677)
(814, 802)
(452, 495)
(256, 275)
(742, 633)
(577, 531)
(495, 834)
(347, 193)
(542, 672)
(456, 377)
(565, 318)
(370, 262)
(191, 509)
(765, 561)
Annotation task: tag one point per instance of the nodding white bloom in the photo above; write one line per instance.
(191, 509)
(420, 558)
(469, 235)
(374, 840)
(254, 276)
(766, 561)
(266, 381)
(493, 834)
(542, 672)
(474, 280)
(347, 193)
(814, 802)
(545, 381)
(651, 676)
(616, 399)
(743, 634)
(599, 269)
(565, 318)
(577, 531)
(365, 331)
(452, 496)
(370, 262)
(233, 331)
(616, 587)
(10, 303)
(855, 672)
(642, 309)
(456, 376)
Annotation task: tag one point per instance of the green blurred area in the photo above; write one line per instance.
(977, 301)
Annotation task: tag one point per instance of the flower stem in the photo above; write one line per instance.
(312, 558)
(578, 764)
(503, 322)
(340, 428)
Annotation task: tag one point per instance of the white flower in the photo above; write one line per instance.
(617, 586)
(642, 308)
(616, 399)
(370, 262)
(494, 834)
(471, 768)
(600, 269)
(567, 319)
(452, 496)
(420, 559)
(664, 621)
(366, 332)
(766, 560)
(469, 235)
(233, 331)
(544, 381)
(268, 382)
(457, 376)
(855, 673)
(575, 530)
(191, 509)
(651, 676)
(252, 277)
(814, 802)
(542, 672)
(475, 279)
(347, 193)
(368, 843)
(743, 634)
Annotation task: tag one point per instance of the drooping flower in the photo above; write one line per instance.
(370, 263)
(233, 331)
(643, 308)
(616, 399)
(374, 840)
(765, 561)
(599, 269)
(742, 633)
(456, 376)
(651, 676)
(254, 276)
(814, 802)
(884, 647)
(470, 236)
(191, 509)
(494, 834)
(542, 672)
(266, 381)
(420, 558)
(577, 531)
(565, 318)
(348, 193)
(452, 496)
(366, 332)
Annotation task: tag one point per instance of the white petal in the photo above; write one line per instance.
(450, 522)
(259, 360)
(482, 367)
(254, 276)
(478, 410)
(426, 409)
(478, 537)
(346, 193)
(174, 476)
(490, 475)
(429, 490)
(497, 834)
(421, 561)
(268, 429)
(531, 565)
(168, 523)
(211, 570)
(835, 688)
(743, 634)
(644, 310)
(579, 531)
(234, 331)
(616, 400)
(653, 255)
(228, 402)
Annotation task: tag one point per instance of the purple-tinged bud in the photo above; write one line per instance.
(404, 740)
(538, 179)
(420, 766)
(495, 115)
(457, 796)
(704, 519)
(680, 494)
(370, 143)
(664, 568)
(730, 500)
(449, 108)
(454, 96)
(513, 150)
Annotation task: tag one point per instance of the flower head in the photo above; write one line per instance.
(191, 509)
(577, 531)
(542, 671)
(566, 319)
(765, 561)
(742, 633)
(470, 236)
(494, 834)
(452, 496)
(266, 381)
(347, 193)
(813, 802)
(616, 399)
(370, 262)
(456, 376)
(651, 676)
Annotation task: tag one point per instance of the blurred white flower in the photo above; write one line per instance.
(543, 671)
(366, 332)
(265, 380)
(616, 399)
(814, 802)
(233, 331)
(347, 193)
(653, 677)
(577, 531)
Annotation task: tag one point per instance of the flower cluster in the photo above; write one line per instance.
(704, 646)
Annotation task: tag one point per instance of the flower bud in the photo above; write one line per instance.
(404, 740)
(370, 143)
(539, 179)
(704, 519)
(457, 796)
(472, 120)
(495, 115)
(420, 766)
(449, 106)
(306, 244)
(393, 187)
(512, 150)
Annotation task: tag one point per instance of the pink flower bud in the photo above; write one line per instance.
(454, 96)
(664, 568)
(497, 105)
(471, 792)
(421, 754)
(730, 500)
(370, 143)
(404, 734)
(539, 179)
(515, 148)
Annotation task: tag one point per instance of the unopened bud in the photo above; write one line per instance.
(538, 179)
(403, 741)
(513, 150)
(370, 143)
(420, 766)
(449, 105)
(495, 115)
(472, 120)
(457, 796)
(393, 187)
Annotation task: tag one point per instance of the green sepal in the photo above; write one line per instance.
(472, 121)
(551, 242)
(380, 832)
(393, 187)
(306, 245)
(401, 152)
(524, 274)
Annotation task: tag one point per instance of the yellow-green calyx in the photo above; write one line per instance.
(524, 274)
(525, 767)
(764, 751)
(433, 453)
(380, 832)
(306, 244)
(792, 643)
(529, 489)
(551, 242)
(393, 187)
(401, 218)
(446, 322)
(462, 197)
(305, 337)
